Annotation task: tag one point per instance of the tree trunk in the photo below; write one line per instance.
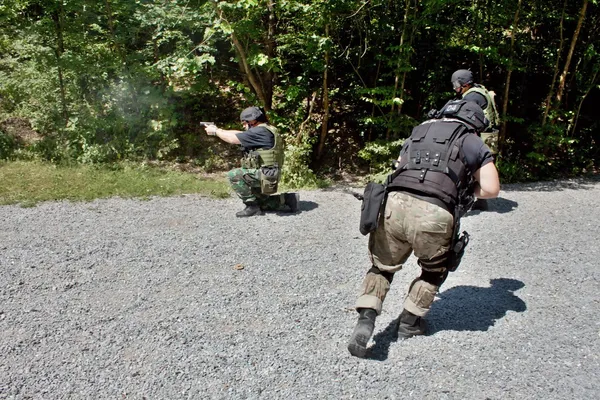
(556, 66)
(502, 136)
(311, 105)
(57, 16)
(269, 76)
(111, 28)
(325, 125)
(573, 123)
(252, 78)
(563, 76)
(400, 59)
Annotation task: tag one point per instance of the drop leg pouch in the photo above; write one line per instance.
(373, 199)
(269, 179)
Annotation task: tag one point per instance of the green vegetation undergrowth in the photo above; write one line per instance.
(29, 183)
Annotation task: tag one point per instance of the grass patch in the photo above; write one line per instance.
(29, 183)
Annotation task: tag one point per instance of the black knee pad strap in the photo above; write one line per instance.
(434, 277)
(387, 275)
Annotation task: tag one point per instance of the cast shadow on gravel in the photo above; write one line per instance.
(498, 205)
(303, 206)
(461, 308)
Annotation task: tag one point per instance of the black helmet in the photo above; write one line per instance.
(466, 111)
(461, 77)
(251, 114)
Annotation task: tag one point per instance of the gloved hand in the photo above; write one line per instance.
(432, 113)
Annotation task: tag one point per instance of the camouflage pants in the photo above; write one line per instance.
(245, 182)
(407, 225)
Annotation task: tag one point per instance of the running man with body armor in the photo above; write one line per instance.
(257, 179)
(441, 167)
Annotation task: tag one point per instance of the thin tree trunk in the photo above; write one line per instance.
(399, 64)
(325, 125)
(563, 76)
(269, 76)
(573, 123)
(397, 77)
(58, 51)
(311, 106)
(252, 78)
(556, 66)
(111, 28)
(480, 36)
(502, 138)
(370, 135)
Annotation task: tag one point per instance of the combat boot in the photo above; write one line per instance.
(410, 325)
(362, 332)
(250, 210)
(480, 204)
(292, 200)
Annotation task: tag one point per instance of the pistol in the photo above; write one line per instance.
(205, 124)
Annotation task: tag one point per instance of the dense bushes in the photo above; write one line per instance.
(344, 80)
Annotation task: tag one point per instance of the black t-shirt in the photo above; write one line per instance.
(257, 137)
(476, 98)
(476, 153)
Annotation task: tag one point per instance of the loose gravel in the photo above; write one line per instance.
(176, 298)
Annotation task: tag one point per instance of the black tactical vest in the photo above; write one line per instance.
(432, 163)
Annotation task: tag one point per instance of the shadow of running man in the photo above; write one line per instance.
(461, 308)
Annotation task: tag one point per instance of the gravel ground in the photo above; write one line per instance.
(142, 299)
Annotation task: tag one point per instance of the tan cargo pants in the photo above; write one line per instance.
(408, 224)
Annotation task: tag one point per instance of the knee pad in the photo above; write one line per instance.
(420, 297)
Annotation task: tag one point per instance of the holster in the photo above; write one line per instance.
(458, 249)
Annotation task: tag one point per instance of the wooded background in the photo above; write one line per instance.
(345, 80)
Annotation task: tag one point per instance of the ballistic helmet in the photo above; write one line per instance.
(251, 114)
(461, 77)
(466, 111)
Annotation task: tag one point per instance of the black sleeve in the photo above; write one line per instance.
(477, 154)
(256, 138)
(476, 98)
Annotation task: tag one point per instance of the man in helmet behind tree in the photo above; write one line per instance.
(257, 179)
(467, 89)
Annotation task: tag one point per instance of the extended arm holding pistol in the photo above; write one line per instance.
(228, 136)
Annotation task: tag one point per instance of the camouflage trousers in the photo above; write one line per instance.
(407, 225)
(245, 182)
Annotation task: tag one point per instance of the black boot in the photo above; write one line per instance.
(410, 325)
(480, 204)
(362, 332)
(292, 200)
(250, 210)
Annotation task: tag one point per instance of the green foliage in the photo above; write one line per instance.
(380, 154)
(296, 173)
(8, 146)
(121, 80)
(512, 172)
